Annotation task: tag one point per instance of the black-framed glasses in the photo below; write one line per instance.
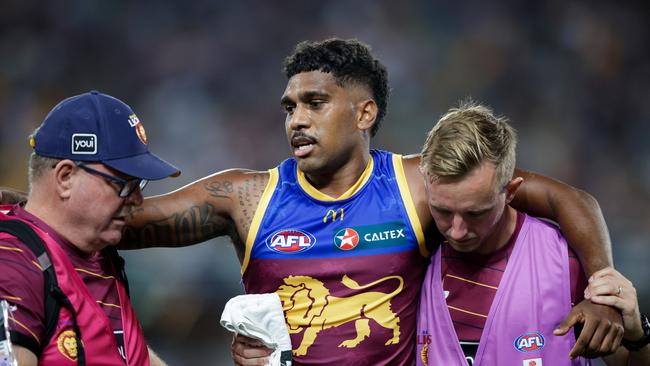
(125, 187)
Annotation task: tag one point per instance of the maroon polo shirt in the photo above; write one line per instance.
(21, 280)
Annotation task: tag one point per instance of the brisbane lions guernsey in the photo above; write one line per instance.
(348, 270)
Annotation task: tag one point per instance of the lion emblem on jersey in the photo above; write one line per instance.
(309, 308)
(67, 344)
(424, 355)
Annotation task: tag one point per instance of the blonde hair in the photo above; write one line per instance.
(465, 137)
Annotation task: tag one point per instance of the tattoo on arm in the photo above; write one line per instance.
(248, 194)
(196, 224)
(219, 189)
(133, 211)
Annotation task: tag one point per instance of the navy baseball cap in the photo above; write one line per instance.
(96, 127)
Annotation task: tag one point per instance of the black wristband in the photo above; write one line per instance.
(643, 341)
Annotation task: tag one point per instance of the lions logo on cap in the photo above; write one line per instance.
(134, 121)
(67, 344)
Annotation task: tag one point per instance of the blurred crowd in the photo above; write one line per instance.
(205, 79)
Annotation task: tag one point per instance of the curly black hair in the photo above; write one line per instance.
(349, 61)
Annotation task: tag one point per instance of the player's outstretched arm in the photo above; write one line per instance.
(220, 204)
(577, 213)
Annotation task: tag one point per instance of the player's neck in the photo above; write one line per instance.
(339, 180)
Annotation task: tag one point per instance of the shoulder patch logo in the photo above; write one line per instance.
(289, 241)
(67, 344)
(529, 342)
(346, 239)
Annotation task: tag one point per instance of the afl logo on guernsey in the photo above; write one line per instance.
(290, 241)
(529, 342)
(346, 239)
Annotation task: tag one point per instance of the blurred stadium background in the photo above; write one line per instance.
(204, 77)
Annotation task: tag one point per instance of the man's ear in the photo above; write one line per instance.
(64, 177)
(512, 187)
(366, 114)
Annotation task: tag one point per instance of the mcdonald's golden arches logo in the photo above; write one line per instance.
(340, 213)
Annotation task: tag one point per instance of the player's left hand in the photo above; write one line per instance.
(602, 329)
(247, 351)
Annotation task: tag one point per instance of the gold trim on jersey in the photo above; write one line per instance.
(26, 328)
(94, 274)
(409, 204)
(12, 298)
(315, 193)
(108, 304)
(473, 282)
(11, 249)
(467, 311)
(259, 214)
(37, 265)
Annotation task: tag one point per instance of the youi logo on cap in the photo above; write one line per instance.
(84, 143)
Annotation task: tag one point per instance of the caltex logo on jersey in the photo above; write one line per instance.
(346, 239)
(529, 342)
(290, 241)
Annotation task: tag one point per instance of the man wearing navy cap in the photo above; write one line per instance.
(60, 272)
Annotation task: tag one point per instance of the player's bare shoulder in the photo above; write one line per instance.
(411, 165)
(246, 189)
(417, 188)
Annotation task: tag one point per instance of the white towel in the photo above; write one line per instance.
(260, 317)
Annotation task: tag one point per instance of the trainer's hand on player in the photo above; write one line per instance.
(602, 329)
(610, 287)
(249, 352)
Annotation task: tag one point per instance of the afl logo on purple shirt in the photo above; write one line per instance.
(290, 241)
(529, 342)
